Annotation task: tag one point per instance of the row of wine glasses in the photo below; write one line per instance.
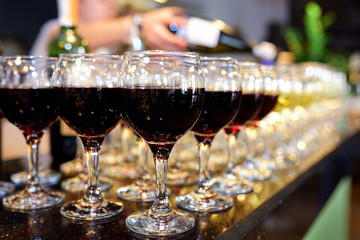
(161, 96)
(159, 93)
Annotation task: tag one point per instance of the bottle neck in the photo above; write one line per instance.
(68, 12)
(233, 42)
(64, 29)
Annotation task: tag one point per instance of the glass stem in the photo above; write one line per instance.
(231, 161)
(33, 142)
(251, 135)
(259, 142)
(161, 203)
(80, 156)
(143, 163)
(265, 136)
(204, 175)
(93, 192)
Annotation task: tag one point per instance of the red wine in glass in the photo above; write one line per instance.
(267, 106)
(161, 115)
(219, 108)
(31, 109)
(250, 106)
(98, 110)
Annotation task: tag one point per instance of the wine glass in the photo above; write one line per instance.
(89, 102)
(143, 190)
(27, 101)
(162, 95)
(5, 187)
(231, 183)
(221, 104)
(262, 157)
(291, 87)
(250, 169)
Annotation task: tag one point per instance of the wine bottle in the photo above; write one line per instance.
(1, 48)
(62, 138)
(206, 36)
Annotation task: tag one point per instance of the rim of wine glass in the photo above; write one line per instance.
(160, 54)
(28, 57)
(206, 60)
(248, 64)
(209, 58)
(90, 55)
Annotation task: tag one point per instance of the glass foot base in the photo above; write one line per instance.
(29, 200)
(5, 188)
(72, 167)
(278, 164)
(137, 193)
(47, 177)
(120, 173)
(209, 202)
(149, 224)
(83, 211)
(79, 184)
(253, 172)
(231, 185)
(181, 177)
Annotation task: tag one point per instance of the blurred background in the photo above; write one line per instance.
(253, 20)
(325, 31)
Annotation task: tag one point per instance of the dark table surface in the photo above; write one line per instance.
(280, 208)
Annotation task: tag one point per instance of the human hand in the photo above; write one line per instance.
(155, 28)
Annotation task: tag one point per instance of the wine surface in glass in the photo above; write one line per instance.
(161, 115)
(90, 111)
(30, 109)
(267, 106)
(218, 109)
(250, 106)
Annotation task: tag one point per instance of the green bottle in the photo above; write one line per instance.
(62, 139)
(67, 41)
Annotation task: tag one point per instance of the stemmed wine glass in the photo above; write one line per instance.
(250, 168)
(143, 190)
(162, 95)
(5, 187)
(89, 102)
(221, 104)
(262, 157)
(231, 183)
(27, 101)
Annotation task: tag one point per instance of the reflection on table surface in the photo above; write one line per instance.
(49, 224)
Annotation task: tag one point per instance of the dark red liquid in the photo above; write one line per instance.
(218, 110)
(249, 108)
(91, 112)
(268, 105)
(31, 110)
(161, 115)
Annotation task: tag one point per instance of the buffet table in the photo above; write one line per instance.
(283, 207)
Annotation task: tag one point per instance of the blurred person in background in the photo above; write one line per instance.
(107, 32)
